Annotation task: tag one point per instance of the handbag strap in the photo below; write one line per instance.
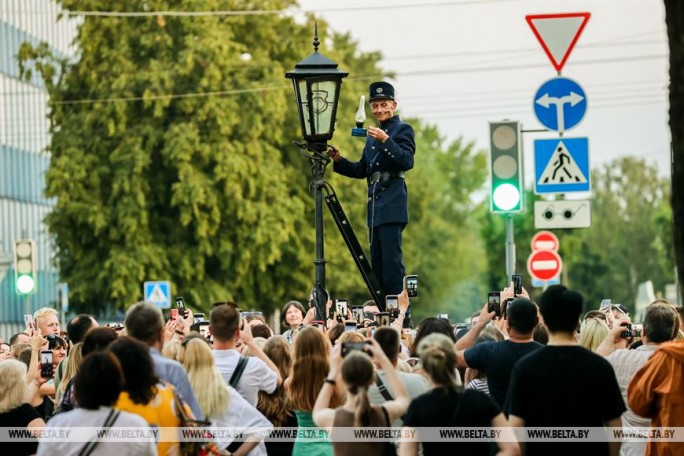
(90, 446)
(239, 369)
(383, 389)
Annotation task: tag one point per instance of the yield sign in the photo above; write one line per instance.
(544, 265)
(558, 34)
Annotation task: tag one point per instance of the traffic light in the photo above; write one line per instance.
(506, 167)
(25, 259)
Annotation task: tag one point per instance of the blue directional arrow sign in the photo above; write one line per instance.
(561, 165)
(560, 104)
(158, 293)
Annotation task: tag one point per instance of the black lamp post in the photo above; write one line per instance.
(317, 82)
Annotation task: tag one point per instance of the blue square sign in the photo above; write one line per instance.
(561, 165)
(158, 293)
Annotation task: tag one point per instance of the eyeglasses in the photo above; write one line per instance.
(595, 314)
(114, 326)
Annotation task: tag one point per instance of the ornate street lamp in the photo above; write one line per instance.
(317, 82)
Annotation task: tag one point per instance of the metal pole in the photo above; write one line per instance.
(510, 249)
(319, 262)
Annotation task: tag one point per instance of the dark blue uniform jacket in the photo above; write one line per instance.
(385, 204)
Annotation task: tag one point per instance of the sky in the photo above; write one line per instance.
(460, 64)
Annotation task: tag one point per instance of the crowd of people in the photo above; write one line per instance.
(524, 365)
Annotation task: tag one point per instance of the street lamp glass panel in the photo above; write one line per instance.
(25, 284)
(506, 197)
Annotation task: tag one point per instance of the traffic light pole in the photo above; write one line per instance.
(510, 249)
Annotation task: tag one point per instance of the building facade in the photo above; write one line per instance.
(24, 137)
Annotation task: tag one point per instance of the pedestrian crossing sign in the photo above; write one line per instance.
(158, 293)
(561, 165)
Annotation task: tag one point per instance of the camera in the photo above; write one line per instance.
(494, 302)
(46, 359)
(382, 318)
(180, 305)
(517, 284)
(627, 332)
(411, 285)
(348, 347)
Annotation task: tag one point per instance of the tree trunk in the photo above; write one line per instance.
(674, 18)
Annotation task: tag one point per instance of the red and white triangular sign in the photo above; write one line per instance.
(558, 34)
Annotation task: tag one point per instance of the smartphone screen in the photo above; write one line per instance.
(46, 358)
(411, 285)
(517, 284)
(180, 305)
(198, 317)
(204, 330)
(350, 326)
(28, 320)
(391, 302)
(341, 306)
(494, 302)
(357, 312)
(382, 318)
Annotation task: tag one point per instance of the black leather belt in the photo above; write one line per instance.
(384, 176)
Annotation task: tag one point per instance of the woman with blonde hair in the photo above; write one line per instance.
(358, 375)
(220, 403)
(65, 390)
(15, 411)
(447, 406)
(311, 362)
(592, 333)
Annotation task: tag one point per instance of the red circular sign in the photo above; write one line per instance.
(544, 240)
(544, 265)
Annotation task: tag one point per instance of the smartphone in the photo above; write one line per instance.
(391, 303)
(637, 330)
(341, 306)
(357, 312)
(28, 320)
(444, 316)
(318, 324)
(382, 318)
(350, 326)
(517, 284)
(46, 359)
(605, 305)
(348, 347)
(411, 285)
(494, 302)
(198, 317)
(174, 314)
(203, 327)
(180, 305)
(628, 330)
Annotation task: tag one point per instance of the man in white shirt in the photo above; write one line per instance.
(388, 339)
(260, 373)
(659, 327)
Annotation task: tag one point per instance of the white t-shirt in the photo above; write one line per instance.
(626, 363)
(256, 377)
(242, 415)
(94, 419)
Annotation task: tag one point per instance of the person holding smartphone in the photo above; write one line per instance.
(388, 153)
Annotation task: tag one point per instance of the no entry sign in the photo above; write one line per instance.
(544, 265)
(544, 240)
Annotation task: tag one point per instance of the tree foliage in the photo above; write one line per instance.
(171, 160)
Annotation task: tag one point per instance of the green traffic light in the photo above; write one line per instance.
(25, 284)
(506, 197)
